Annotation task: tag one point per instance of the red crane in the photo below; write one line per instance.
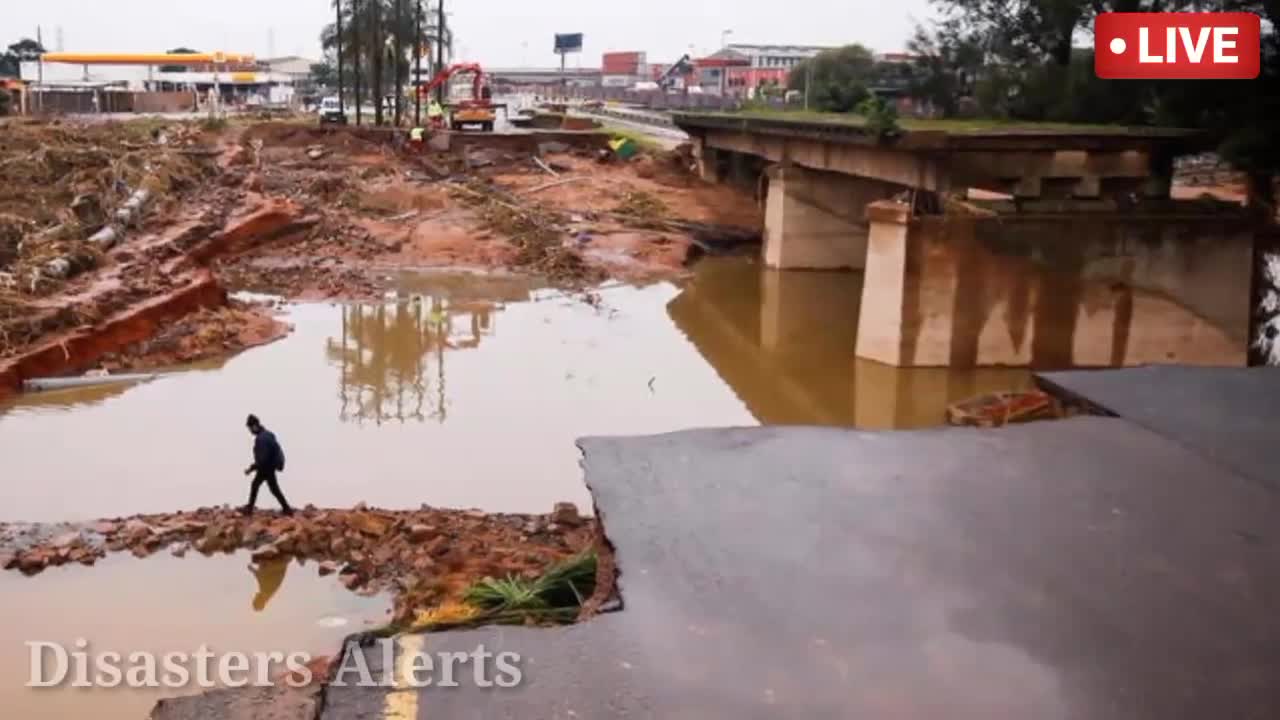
(444, 75)
(478, 110)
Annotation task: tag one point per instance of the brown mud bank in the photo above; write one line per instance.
(131, 227)
(424, 558)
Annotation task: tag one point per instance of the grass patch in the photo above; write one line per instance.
(553, 598)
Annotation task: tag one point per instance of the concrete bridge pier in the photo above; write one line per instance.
(1103, 289)
(816, 220)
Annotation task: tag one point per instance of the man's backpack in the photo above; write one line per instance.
(279, 457)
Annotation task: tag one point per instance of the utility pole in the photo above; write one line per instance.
(342, 105)
(399, 45)
(355, 45)
(417, 63)
(440, 49)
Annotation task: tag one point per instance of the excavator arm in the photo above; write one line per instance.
(445, 75)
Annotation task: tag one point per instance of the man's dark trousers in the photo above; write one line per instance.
(269, 477)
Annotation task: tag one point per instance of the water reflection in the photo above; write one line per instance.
(392, 357)
(469, 391)
(163, 604)
(270, 576)
(784, 342)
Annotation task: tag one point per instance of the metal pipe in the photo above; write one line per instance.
(50, 384)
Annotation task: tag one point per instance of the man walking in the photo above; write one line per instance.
(268, 459)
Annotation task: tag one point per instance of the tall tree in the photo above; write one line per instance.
(358, 40)
(25, 50)
(1016, 59)
(377, 53)
(835, 80)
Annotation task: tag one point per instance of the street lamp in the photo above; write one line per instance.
(724, 38)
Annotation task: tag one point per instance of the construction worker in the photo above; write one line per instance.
(268, 459)
(435, 114)
(417, 137)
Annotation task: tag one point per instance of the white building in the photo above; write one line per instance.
(298, 68)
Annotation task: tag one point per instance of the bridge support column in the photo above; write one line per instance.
(816, 220)
(1053, 291)
(709, 160)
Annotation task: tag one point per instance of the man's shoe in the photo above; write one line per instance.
(246, 510)
(287, 512)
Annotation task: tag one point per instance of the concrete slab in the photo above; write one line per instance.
(1082, 569)
(1230, 415)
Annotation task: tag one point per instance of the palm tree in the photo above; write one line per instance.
(380, 42)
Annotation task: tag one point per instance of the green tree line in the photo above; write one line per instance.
(1032, 60)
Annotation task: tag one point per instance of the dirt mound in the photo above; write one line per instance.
(208, 333)
(294, 135)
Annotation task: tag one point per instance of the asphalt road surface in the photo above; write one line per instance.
(1087, 568)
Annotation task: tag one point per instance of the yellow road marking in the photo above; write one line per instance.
(402, 702)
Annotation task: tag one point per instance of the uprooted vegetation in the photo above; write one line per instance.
(537, 231)
(97, 219)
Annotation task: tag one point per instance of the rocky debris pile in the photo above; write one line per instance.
(1005, 408)
(423, 557)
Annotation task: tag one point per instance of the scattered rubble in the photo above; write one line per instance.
(423, 558)
(96, 219)
(1006, 408)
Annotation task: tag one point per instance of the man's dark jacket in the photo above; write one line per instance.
(268, 457)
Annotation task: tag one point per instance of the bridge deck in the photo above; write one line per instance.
(948, 135)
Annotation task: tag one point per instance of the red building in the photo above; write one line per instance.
(623, 69)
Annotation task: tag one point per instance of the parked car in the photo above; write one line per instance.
(330, 112)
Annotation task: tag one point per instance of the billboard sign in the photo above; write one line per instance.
(568, 43)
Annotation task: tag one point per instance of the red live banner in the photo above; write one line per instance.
(1177, 46)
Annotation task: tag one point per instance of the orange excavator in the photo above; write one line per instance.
(478, 110)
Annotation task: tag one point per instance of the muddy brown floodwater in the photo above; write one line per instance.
(460, 391)
(468, 391)
(163, 604)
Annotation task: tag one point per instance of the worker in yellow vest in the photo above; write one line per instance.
(435, 114)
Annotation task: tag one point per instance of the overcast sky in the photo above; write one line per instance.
(495, 32)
